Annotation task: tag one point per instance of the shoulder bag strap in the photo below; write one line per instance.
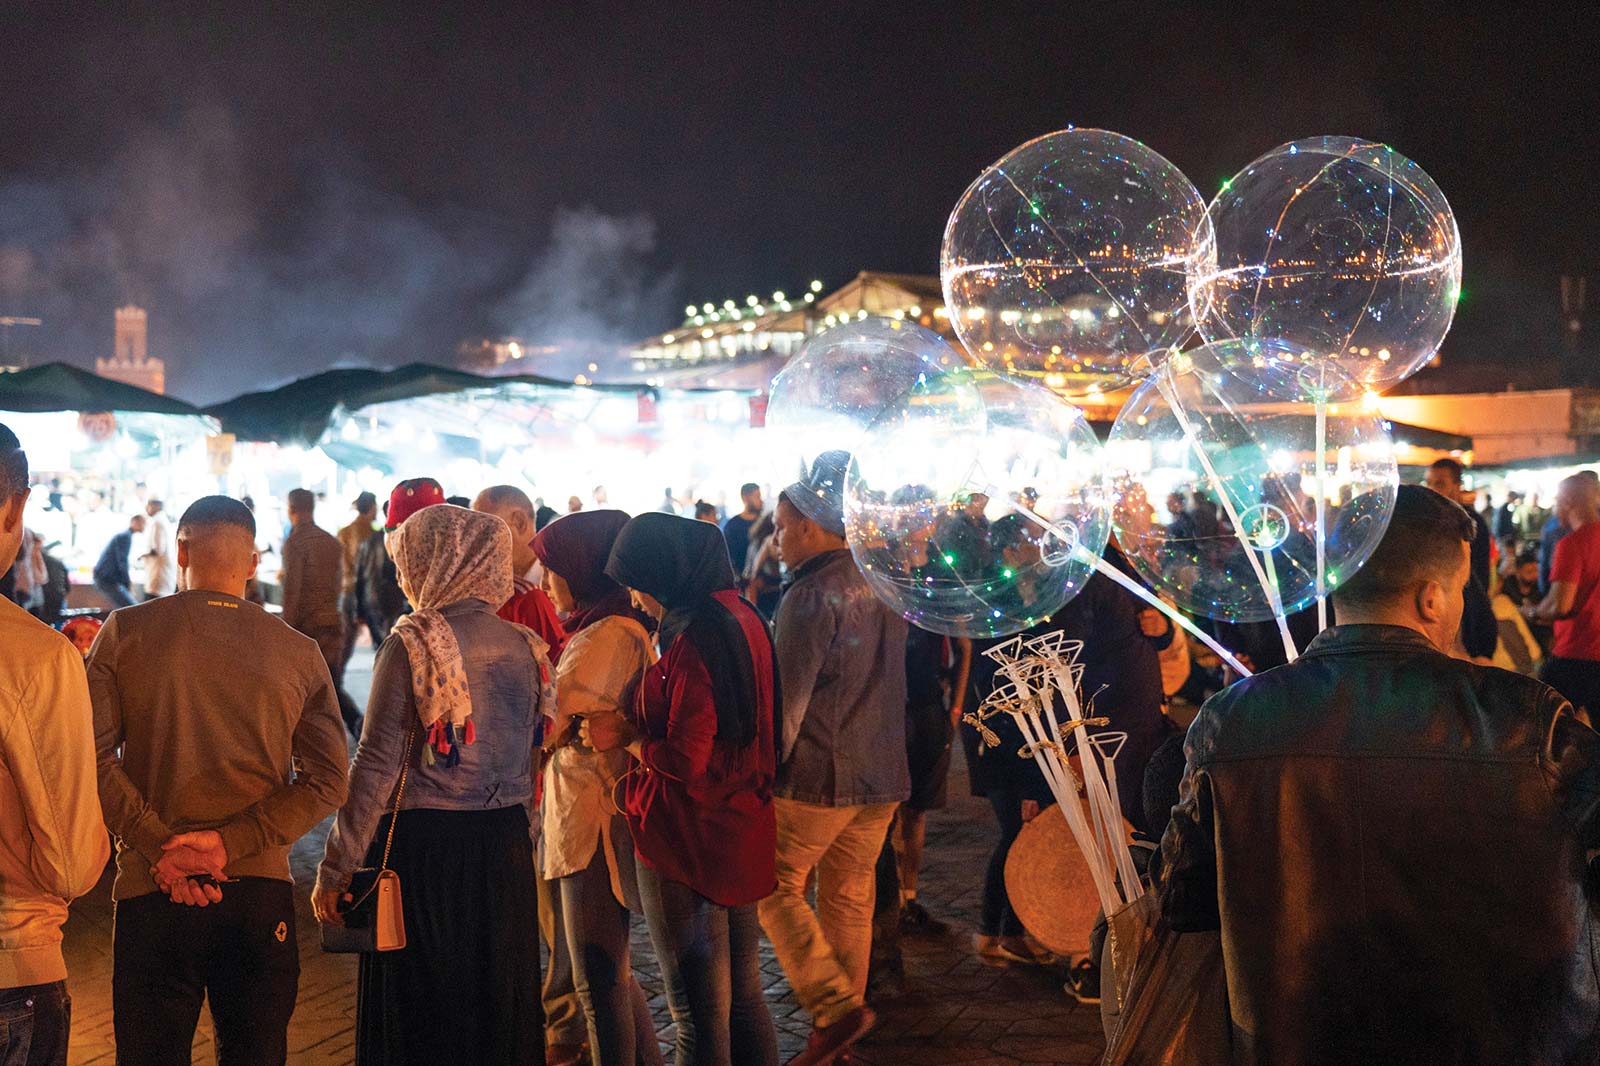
(399, 794)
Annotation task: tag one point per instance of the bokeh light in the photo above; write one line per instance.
(1344, 249)
(1179, 527)
(1071, 257)
(934, 500)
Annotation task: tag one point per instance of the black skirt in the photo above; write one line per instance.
(465, 988)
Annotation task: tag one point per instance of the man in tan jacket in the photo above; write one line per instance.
(53, 844)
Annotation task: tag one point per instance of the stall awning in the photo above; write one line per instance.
(60, 387)
(299, 412)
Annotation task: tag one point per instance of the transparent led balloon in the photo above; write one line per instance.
(835, 387)
(1202, 453)
(936, 503)
(1340, 247)
(1070, 258)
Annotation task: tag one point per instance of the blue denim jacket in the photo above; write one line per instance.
(496, 770)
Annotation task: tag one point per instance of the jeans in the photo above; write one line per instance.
(712, 972)
(119, 595)
(563, 1013)
(168, 958)
(352, 628)
(35, 1021)
(621, 1031)
(996, 918)
(330, 641)
(826, 952)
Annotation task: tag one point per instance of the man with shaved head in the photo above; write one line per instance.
(1573, 602)
(528, 605)
(220, 745)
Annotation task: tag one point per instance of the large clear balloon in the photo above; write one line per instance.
(1344, 249)
(1071, 257)
(1203, 453)
(938, 497)
(834, 388)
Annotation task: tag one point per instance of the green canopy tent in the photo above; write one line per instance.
(300, 412)
(59, 387)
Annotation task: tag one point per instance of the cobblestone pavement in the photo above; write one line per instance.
(955, 1011)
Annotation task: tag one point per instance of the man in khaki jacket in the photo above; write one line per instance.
(53, 844)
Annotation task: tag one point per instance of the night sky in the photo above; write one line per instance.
(286, 192)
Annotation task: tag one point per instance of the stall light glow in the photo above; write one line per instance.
(350, 431)
(708, 308)
(690, 310)
(916, 311)
(816, 286)
(751, 300)
(708, 333)
(778, 297)
(668, 339)
(810, 297)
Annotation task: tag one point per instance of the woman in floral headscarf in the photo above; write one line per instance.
(463, 692)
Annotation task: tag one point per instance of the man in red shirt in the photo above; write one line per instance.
(1573, 603)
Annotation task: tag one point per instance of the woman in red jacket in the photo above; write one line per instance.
(699, 801)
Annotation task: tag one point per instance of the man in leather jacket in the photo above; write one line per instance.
(1394, 842)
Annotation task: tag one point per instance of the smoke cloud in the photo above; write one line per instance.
(589, 292)
(255, 271)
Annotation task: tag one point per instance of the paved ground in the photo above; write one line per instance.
(956, 1011)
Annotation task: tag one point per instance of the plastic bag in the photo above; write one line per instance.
(1164, 994)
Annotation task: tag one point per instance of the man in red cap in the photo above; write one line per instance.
(409, 497)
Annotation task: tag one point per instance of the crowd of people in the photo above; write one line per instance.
(581, 718)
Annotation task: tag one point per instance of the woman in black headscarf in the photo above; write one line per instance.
(700, 802)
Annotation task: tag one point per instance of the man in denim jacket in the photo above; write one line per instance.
(842, 760)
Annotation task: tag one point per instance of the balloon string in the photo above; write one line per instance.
(1101, 566)
(1164, 382)
(1322, 513)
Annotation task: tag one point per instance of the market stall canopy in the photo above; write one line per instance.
(300, 412)
(60, 387)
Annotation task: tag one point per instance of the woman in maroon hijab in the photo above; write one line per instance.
(700, 802)
(587, 848)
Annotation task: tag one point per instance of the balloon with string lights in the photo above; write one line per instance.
(941, 498)
(1343, 250)
(835, 387)
(1069, 259)
(1216, 482)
